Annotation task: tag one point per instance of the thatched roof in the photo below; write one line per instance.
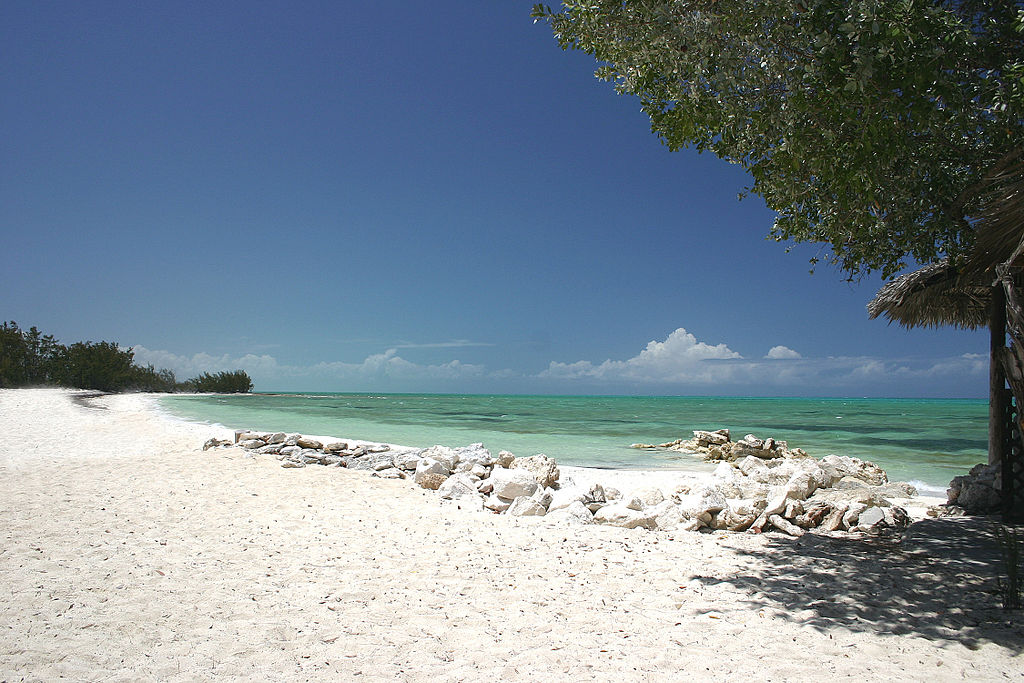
(941, 294)
(1001, 222)
(933, 296)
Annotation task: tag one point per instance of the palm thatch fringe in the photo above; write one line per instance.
(942, 294)
(934, 295)
(1000, 222)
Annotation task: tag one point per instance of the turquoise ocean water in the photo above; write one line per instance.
(924, 441)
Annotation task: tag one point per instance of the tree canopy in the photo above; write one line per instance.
(867, 126)
(236, 382)
(30, 358)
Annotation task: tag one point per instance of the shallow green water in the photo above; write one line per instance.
(927, 441)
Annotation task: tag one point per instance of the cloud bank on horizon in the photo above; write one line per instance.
(679, 364)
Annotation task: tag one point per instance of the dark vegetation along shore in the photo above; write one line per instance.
(30, 358)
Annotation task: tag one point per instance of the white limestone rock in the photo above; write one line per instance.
(474, 454)
(870, 517)
(432, 466)
(841, 466)
(785, 526)
(709, 499)
(460, 485)
(794, 508)
(716, 438)
(727, 471)
(694, 524)
(897, 489)
(596, 497)
(504, 459)
(574, 513)
(511, 483)
(617, 514)
(800, 486)
(544, 496)
(390, 473)
(565, 496)
(442, 454)
(813, 514)
(406, 460)
(752, 441)
(430, 480)
(525, 506)
(648, 495)
(543, 468)
(379, 461)
(753, 467)
(310, 456)
(852, 515)
(739, 516)
(850, 483)
(668, 515)
(497, 503)
(833, 520)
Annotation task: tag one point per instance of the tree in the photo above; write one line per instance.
(32, 358)
(42, 354)
(13, 356)
(868, 126)
(237, 382)
(97, 365)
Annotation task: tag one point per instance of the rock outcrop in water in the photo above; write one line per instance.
(717, 445)
(759, 485)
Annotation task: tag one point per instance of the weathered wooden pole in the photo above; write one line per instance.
(998, 401)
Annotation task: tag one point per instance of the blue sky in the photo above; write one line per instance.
(402, 197)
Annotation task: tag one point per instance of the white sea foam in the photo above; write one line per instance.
(927, 489)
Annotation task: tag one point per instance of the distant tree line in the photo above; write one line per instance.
(236, 382)
(30, 358)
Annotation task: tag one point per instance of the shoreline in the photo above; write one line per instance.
(918, 447)
(130, 553)
(620, 478)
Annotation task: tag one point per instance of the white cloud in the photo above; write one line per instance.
(782, 353)
(679, 363)
(453, 344)
(189, 366)
(682, 361)
(680, 358)
(269, 373)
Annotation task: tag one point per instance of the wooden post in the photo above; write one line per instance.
(998, 399)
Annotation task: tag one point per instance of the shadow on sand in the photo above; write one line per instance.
(939, 583)
(86, 399)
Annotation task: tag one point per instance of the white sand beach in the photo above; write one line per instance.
(129, 554)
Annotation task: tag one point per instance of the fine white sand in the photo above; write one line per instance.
(129, 554)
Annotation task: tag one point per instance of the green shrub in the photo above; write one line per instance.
(236, 382)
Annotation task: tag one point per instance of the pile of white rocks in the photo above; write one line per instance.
(717, 445)
(789, 494)
(296, 450)
(978, 492)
